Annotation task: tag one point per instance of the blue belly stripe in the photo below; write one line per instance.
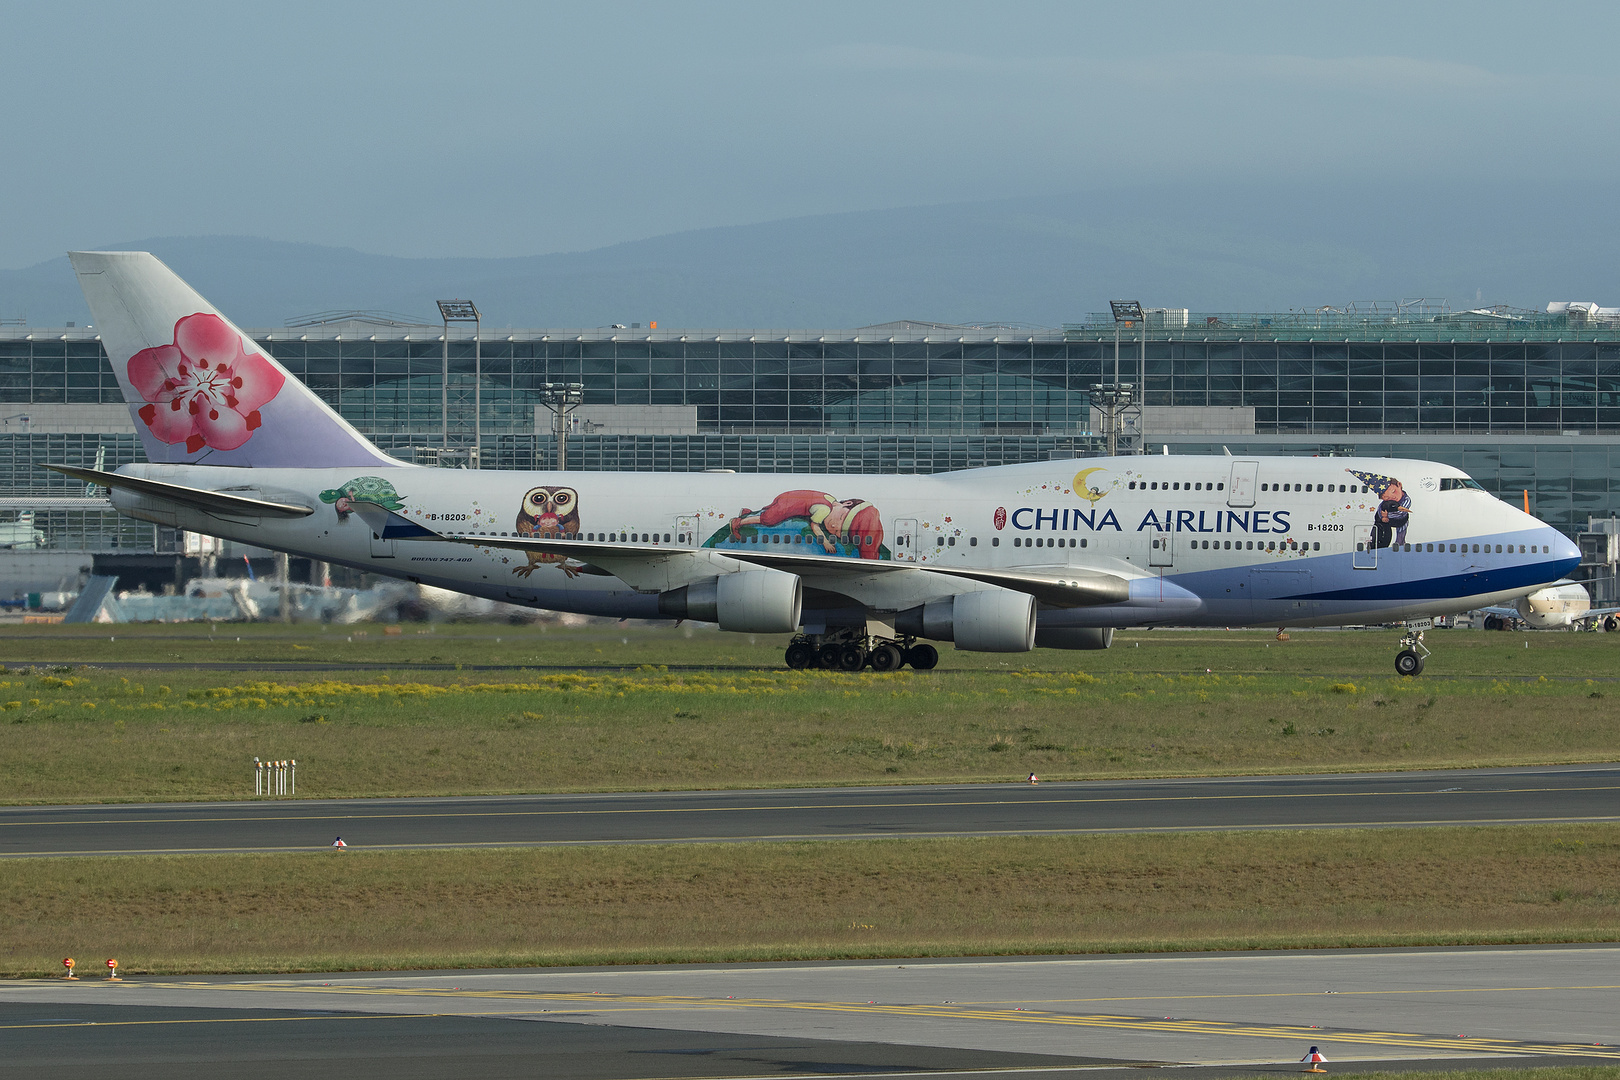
(1498, 579)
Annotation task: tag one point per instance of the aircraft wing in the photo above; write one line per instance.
(213, 502)
(1058, 588)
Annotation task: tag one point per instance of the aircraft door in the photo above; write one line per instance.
(905, 540)
(1366, 556)
(1241, 486)
(380, 548)
(1281, 594)
(686, 529)
(1161, 549)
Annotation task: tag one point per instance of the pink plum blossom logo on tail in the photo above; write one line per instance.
(205, 389)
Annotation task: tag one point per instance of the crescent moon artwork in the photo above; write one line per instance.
(1090, 494)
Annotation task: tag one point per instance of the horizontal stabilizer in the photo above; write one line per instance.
(213, 502)
(1059, 588)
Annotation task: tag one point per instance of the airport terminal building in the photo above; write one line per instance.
(1523, 401)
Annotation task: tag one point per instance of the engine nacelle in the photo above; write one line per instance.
(1074, 637)
(751, 601)
(990, 620)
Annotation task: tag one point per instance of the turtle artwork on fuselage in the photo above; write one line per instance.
(816, 521)
(363, 489)
(548, 513)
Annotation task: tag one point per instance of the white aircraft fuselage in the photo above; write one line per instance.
(861, 569)
(1211, 541)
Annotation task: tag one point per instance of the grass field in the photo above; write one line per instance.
(1357, 652)
(771, 901)
(1566, 1072)
(1148, 707)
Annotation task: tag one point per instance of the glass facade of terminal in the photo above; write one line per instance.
(1521, 403)
(1007, 387)
(1003, 388)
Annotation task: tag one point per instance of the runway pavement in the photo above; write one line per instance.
(1463, 797)
(1231, 1014)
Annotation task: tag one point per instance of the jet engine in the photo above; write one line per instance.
(990, 620)
(1074, 637)
(751, 601)
(1554, 606)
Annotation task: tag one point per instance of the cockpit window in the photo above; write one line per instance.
(1453, 483)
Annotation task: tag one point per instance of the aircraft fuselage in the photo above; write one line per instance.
(1200, 540)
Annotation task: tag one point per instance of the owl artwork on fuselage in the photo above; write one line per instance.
(548, 513)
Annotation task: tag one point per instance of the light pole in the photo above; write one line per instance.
(464, 311)
(560, 399)
(1119, 398)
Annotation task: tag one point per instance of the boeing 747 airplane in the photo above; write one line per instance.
(864, 571)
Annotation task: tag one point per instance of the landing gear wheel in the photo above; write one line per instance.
(851, 658)
(827, 658)
(1408, 662)
(886, 658)
(800, 655)
(922, 657)
(1611, 624)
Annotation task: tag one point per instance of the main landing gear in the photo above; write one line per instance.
(1409, 661)
(851, 650)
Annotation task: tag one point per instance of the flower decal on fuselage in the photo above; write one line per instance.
(205, 389)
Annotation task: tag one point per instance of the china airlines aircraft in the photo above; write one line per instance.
(865, 571)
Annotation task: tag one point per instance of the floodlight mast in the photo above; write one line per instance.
(560, 399)
(464, 311)
(1119, 398)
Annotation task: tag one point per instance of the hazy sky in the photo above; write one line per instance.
(488, 129)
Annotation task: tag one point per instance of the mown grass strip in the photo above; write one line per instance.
(1555, 1072)
(771, 901)
(83, 734)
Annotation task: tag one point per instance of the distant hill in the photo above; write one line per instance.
(1043, 261)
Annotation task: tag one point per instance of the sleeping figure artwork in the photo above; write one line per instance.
(836, 525)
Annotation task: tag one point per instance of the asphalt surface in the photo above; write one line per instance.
(1460, 797)
(184, 1043)
(1217, 1014)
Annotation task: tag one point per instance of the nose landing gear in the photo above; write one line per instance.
(1409, 661)
(849, 650)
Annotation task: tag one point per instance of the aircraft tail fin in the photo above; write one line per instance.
(201, 391)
